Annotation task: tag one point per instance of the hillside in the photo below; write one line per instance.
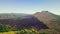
(44, 16)
(50, 19)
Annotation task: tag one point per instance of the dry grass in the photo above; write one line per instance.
(10, 32)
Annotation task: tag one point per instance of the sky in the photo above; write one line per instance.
(29, 6)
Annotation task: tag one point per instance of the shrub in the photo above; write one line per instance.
(4, 28)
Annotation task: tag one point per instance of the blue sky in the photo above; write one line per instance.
(29, 6)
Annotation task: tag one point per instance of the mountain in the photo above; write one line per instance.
(44, 16)
(50, 19)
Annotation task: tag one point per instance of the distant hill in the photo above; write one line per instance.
(11, 15)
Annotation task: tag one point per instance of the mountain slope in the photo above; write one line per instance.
(50, 19)
(44, 16)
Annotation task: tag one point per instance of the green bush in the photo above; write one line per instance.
(43, 33)
(4, 28)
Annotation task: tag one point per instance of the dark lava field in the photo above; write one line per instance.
(24, 23)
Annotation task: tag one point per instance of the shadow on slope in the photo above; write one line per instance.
(28, 22)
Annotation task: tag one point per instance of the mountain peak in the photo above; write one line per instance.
(43, 12)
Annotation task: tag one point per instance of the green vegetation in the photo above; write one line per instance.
(4, 28)
(30, 31)
(7, 28)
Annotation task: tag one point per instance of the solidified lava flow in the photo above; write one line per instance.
(25, 23)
